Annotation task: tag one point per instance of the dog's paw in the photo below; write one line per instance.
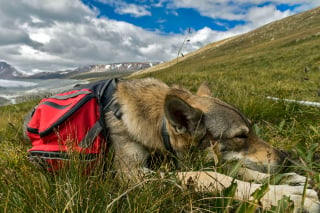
(307, 201)
(290, 178)
(293, 179)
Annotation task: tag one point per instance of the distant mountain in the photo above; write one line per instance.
(9, 72)
(97, 68)
(115, 67)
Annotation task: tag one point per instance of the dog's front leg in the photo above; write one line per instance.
(208, 181)
(259, 177)
(128, 161)
(213, 181)
(129, 156)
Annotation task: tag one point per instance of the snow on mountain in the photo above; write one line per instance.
(9, 72)
(121, 67)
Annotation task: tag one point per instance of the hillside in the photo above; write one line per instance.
(282, 56)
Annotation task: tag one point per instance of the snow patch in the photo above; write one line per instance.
(11, 83)
(306, 103)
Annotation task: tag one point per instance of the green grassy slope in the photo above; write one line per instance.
(270, 60)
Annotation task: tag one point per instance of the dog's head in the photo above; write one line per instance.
(202, 121)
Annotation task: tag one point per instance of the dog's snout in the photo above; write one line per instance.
(284, 153)
(284, 160)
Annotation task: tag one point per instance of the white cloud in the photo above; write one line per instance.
(40, 36)
(258, 16)
(121, 7)
(235, 9)
(30, 53)
(150, 49)
(211, 8)
(132, 9)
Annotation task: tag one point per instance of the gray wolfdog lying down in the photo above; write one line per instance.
(147, 117)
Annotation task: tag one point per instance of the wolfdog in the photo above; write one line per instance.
(147, 118)
(155, 118)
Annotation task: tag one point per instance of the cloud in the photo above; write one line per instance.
(258, 16)
(236, 9)
(211, 8)
(132, 9)
(122, 8)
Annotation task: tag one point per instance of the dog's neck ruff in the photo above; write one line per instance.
(109, 103)
(166, 141)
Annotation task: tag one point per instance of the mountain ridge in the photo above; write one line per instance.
(9, 72)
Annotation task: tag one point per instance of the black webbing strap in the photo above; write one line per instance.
(86, 142)
(55, 105)
(65, 97)
(60, 155)
(112, 105)
(104, 93)
(107, 103)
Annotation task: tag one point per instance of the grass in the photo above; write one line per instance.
(26, 188)
(99, 75)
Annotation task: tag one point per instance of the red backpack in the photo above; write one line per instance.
(72, 122)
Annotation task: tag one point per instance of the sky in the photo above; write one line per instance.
(47, 35)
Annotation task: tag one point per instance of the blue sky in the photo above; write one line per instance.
(47, 35)
(163, 16)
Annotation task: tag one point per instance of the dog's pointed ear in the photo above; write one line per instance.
(204, 90)
(183, 117)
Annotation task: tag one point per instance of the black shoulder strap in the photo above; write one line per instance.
(104, 91)
(105, 95)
